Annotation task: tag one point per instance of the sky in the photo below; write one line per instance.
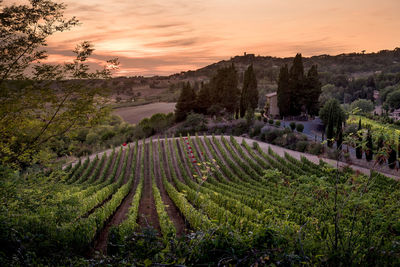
(162, 37)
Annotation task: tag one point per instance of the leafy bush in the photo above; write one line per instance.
(278, 123)
(292, 125)
(270, 136)
(315, 148)
(256, 130)
(300, 127)
(301, 146)
(271, 121)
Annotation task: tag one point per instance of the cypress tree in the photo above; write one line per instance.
(283, 93)
(340, 135)
(330, 130)
(369, 151)
(398, 149)
(312, 91)
(224, 89)
(392, 157)
(296, 85)
(249, 95)
(381, 159)
(186, 102)
(358, 145)
(203, 100)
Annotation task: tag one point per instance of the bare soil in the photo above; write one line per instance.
(134, 115)
(148, 216)
(170, 207)
(121, 163)
(121, 212)
(174, 160)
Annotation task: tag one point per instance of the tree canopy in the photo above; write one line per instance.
(38, 101)
(296, 92)
(186, 102)
(249, 95)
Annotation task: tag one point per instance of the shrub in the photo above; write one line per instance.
(92, 138)
(315, 148)
(263, 137)
(300, 127)
(292, 125)
(278, 123)
(256, 129)
(301, 146)
(271, 121)
(270, 136)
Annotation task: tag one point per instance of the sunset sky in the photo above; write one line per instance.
(168, 36)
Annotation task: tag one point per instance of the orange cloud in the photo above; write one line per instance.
(164, 37)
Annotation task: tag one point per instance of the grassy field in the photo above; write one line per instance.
(134, 115)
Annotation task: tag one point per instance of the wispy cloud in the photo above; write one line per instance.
(163, 37)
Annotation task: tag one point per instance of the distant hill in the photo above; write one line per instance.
(332, 69)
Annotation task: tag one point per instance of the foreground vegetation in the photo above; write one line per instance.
(256, 206)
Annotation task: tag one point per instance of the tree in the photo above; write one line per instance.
(283, 93)
(249, 95)
(312, 91)
(369, 147)
(392, 157)
(363, 106)
(203, 101)
(186, 102)
(333, 116)
(297, 85)
(359, 143)
(39, 102)
(393, 99)
(224, 89)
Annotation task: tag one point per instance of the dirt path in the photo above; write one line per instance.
(147, 209)
(121, 212)
(120, 164)
(174, 161)
(172, 210)
(129, 165)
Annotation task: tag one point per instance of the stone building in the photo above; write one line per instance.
(271, 106)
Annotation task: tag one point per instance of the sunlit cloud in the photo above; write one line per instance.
(164, 37)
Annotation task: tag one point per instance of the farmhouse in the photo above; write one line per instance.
(395, 114)
(271, 106)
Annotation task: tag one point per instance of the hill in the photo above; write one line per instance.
(338, 70)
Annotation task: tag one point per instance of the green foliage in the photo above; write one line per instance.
(300, 127)
(297, 92)
(362, 105)
(393, 99)
(292, 125)
(186, 102)
(333, 116)
(37, 102)
(284, 94)
(224, 89)
(249, 94)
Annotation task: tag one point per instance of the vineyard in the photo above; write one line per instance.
(213, 185)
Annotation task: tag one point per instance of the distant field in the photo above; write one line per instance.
(135, 114)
